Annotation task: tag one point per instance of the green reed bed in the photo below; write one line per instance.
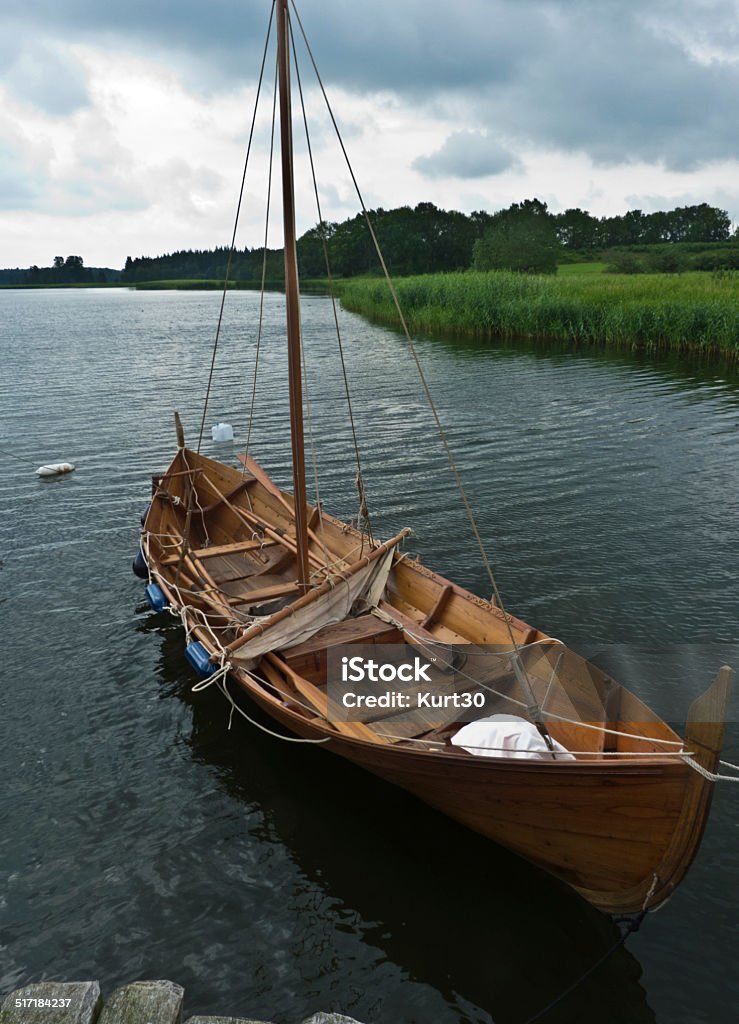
(687, 311)
(179, 284)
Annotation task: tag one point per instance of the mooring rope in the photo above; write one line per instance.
(712, 776)
(18, 458)
(220, 676)
(219, 680)
(631, 924)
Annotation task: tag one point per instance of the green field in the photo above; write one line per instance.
(580, 268)
(67, 284)
(212, 284)
(693, 311)
(180, 284)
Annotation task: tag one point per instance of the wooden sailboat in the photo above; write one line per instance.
(269, 587)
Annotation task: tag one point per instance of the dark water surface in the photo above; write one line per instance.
(141, 839)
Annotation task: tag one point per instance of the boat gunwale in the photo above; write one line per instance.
(587, 764)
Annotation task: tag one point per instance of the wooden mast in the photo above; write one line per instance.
(292, 292)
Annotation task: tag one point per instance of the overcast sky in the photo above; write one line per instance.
(123, 125)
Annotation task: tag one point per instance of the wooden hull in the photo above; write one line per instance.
(620, 830)
(622, 835)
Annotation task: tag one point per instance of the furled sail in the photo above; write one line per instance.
(366, 586)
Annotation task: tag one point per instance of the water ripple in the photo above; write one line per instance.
(143, 839)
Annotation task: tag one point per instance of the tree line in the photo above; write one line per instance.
(527, 237)
(69, 270)
(425, 239)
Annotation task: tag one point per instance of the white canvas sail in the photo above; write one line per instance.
(366, 585)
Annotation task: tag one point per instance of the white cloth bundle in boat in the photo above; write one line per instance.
(507, 736)
(367, 584)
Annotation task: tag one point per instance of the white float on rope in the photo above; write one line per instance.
(55, 468)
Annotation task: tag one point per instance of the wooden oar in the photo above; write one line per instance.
(319, 699)
(251, 519)
(271, 487)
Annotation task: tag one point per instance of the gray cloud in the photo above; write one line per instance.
(18, 189)
(619, 93)
(466, 154)
(708, 29)
(649, 202)
(44, 75)
(610, 78)
(397, 46)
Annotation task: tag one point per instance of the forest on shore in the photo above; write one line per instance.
(70, 271)
(668, 279)
(425, 239)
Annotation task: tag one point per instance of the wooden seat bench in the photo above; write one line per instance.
(309, 658)
(220, 550)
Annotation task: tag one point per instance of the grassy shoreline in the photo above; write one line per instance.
(62, 284)
(174, 284)
(690, 312)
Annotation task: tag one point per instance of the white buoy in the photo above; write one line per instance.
(222, 432)
(55, 468)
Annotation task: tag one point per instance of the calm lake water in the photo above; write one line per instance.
(140, 838)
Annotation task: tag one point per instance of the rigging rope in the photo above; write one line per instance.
(314, 462)
(264, 270)
(235, 228)
(364, 512)
(520, 669)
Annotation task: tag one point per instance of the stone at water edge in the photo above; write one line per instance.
(143, 1002)
(317, 1018)
(223, 1020)
(330, 1018)
(83, 996)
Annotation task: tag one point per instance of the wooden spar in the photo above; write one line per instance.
(292, 299)
(704, 730)
(261, 477)
(180, 432)
(313, 595)
(188, 497)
